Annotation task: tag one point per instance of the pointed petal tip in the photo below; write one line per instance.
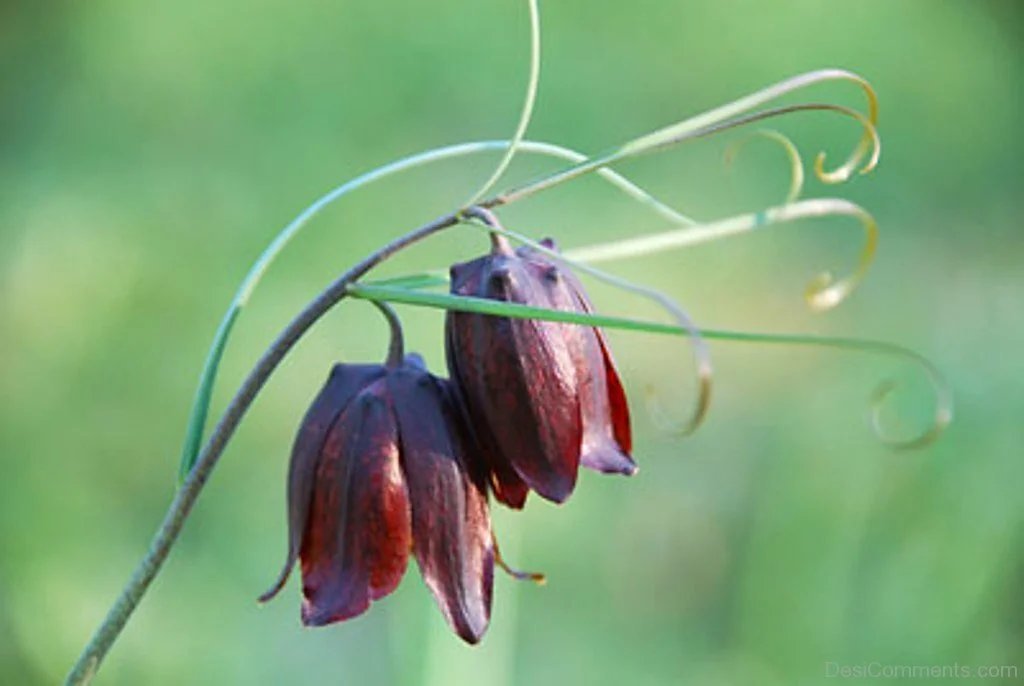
(314, 616)
(472, 626)
(609, 460)
(557, 495)
(310, 616)
(282, 579)
(473, 637)
(555, 488)
(512, 495)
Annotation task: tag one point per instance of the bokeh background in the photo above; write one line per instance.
(148, 152)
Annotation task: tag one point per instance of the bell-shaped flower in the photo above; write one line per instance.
(380, 468)
(542, 397)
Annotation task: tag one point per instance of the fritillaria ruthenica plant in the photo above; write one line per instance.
(392, 461)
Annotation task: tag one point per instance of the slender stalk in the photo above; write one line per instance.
(89, 661)
(528, 102)
(396, 346)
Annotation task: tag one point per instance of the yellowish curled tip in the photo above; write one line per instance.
(824, 292)
(869, 141)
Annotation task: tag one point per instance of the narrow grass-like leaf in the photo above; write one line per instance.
(204, 391)
(498, 308)
(823, 292)
(943, 395)
(729, 116)
(429, 279)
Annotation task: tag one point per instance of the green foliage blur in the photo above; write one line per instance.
(149, 151)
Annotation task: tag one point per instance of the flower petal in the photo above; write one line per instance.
(508, 488)
(451, 525)
(344, 381)
(356, 544)
(616, 398)
(606, 432)
(606, 438)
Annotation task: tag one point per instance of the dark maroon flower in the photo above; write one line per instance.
(542, 397)
(379, 468)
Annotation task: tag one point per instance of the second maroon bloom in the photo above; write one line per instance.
(543, 397)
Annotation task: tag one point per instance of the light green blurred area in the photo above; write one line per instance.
(148, 152)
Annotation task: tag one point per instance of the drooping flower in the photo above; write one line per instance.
(542, 397)
(380, 468)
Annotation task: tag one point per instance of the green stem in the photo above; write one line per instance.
(527, 111)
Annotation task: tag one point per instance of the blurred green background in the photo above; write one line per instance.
(148, 152)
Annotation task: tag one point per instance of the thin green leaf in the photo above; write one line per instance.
(444, 301)
(430, 279)
(732, 115)
(943, 395)
(201, 403)
(822, 292)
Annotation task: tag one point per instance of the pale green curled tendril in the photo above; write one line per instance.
(527, 111)
(773, 112)
(796, 164)
(942, 416)
(701, 354)
(822, 293)
(201, 403)
(774, 92)
(729, 116)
